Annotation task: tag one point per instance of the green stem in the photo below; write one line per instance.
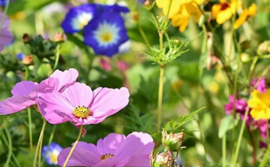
(30, 128)
(40, 145)
(29, 112)
(7, 143)
(252, 67)
(224, 151)
(264, 160)
(73, 147)
(160, 96)
(4, 16)
(50, 139)
(240, 138)
(143, 36)
(9, 147)
(39, 142)
(57, 57)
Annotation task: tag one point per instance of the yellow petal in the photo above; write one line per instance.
(216, 9)
(252, 10)
(194, 11)
(167, 5)
(241, 20)
(223, 16)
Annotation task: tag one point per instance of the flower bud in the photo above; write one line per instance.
(148, 4)
(27, 60)
(164, 159)
(202, 20)
(245, 58)
(26, 38)
(172, 141)
(264, 48)
(59, 37)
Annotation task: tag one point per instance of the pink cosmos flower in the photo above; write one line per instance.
(6, 36)
(25, 92)
(115, 150)
(80, 105)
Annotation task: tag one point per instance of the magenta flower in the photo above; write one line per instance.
(115, 150)
(80, 105)
(240, 108)
(259, 84)
(25, 92)
(6, 36)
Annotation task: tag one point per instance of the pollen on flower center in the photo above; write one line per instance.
(105, 156)
(82, 112)
(106, 37)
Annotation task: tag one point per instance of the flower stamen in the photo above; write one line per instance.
(82, 112)
(106, 156)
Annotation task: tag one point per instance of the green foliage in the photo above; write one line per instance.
(174, 125)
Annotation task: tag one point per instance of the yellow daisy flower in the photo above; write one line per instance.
(224, 10)
(181, 11)
(247, 13)
(260, 104)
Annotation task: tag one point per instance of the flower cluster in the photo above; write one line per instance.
(103, 26)
(258, 107)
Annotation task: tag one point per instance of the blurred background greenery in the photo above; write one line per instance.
(189, 85)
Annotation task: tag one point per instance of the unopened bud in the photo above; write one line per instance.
(172, 141)
(148, 4)
(176, 42)
(26, 38)
(202, 20)
(164, 159)
(245, 58)
(264, 48)
(59, 37)
(27, 60)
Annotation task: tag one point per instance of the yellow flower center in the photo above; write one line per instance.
(106, 156)
(53, 158)
(82, 112)
(106, 37)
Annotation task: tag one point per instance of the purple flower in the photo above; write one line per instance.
(115, 150)
(51, 152)
(262, 126)
(25, 92)
(6, 36)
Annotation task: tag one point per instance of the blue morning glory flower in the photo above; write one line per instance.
(78, 17)
(106, 33)
(51, 152)
(112, 8)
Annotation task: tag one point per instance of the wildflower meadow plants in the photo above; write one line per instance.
(137, 83)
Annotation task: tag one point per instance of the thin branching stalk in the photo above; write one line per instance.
(30, 127)
(143, 36)
(224, 150)
(235, 156)
(57, 57)
(50, 140)
(9, 147)
(39, 142)
(73, 147)
(27, 74)
(160, 96)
